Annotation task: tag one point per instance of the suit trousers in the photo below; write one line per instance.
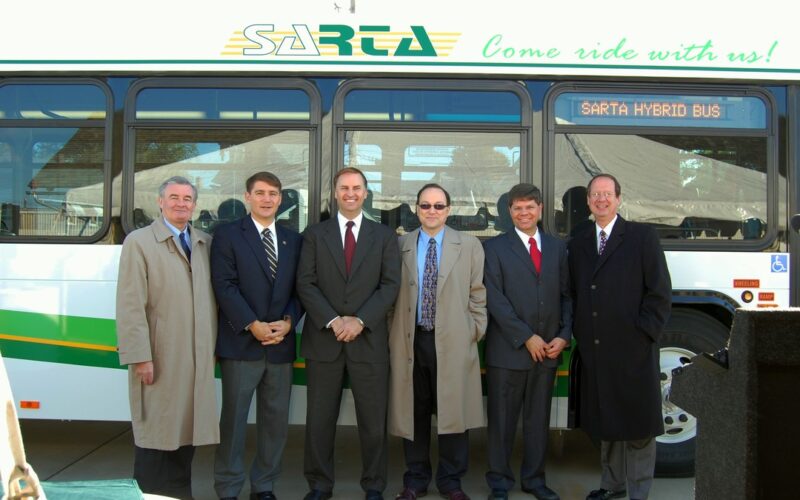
(164, 472)
(370, 385)
(272, 384)
(453, 448)
(633, 462)
(510, 391)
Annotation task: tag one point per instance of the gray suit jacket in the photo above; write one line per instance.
(522, 302)
(326, 291)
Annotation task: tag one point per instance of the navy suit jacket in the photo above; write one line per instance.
(246, 292)
(522, 302)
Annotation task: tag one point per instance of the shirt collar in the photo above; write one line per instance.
(343, 220)
(174, 229)
(609, 227)
(524, 237)
(261, 228)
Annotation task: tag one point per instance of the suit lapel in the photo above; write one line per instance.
(519, 250)
(333, 240)
(409, 254)
(283, 249)
(451, 249)
(250, 235)
(549, 254)
(364, 244)
(614, 241)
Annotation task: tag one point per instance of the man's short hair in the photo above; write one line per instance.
(349, 170)
(181, 181)
(267, 177)
(617, 187)
(524, 192)
(433, 185)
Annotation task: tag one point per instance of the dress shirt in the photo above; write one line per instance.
(271, 228)
(524, 237)
(176, 235)
(609, 227)
(343, 225)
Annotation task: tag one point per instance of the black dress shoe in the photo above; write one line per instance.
(498, 495)
(264, 495)
(410, 494)
(542, 492)
(228, 498)
(456, 494)
(317, 495)
(603, 494)
(373, 495)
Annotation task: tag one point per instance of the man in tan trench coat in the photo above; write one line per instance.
(439, 317)
(166, 331)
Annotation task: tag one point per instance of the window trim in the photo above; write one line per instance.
(132, 124)
(770, 134)
(105, 124)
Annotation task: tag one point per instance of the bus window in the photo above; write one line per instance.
(217, 133)
(696, 167)
(52, 177)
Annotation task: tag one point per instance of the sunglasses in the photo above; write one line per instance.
(428, 206)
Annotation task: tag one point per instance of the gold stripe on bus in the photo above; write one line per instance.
(63, 343)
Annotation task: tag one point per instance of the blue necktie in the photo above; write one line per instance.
(429, 278)
(185, 245)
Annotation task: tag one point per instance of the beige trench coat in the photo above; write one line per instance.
(166, 313)
(460, 324)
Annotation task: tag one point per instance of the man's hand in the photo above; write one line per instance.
(555, 346)
(536, 347)
(144, 371)
(279, 329)
(352, 328)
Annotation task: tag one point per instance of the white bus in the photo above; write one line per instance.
(694, 110)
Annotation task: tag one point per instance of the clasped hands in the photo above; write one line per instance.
(346, 328)
(270, 333)
(539, 349)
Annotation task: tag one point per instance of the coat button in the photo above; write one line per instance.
(596, 341)
(594, 313)
(594, 287)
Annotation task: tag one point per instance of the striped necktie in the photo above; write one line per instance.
(269, 246)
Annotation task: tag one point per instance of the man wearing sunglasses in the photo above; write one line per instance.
(439, 317)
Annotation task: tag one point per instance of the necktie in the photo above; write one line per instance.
(269, 246)
(349, 246)
(536, 255)
(429, 278)
(602, 242)
(185, 245)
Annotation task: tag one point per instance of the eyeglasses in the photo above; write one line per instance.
(595, 195)
(428, 206)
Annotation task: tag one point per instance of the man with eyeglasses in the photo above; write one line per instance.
(530, 324)
(439, 317)
(621, 294)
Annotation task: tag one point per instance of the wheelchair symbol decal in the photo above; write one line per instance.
(780, 264)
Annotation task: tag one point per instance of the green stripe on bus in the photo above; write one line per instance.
(97, 331)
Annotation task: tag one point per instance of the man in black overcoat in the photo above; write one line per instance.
(621, 295)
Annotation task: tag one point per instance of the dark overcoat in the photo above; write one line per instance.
(622, 301)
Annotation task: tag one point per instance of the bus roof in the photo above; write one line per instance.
(677, 39)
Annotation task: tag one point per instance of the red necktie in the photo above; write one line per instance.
(536, 255)
(349, 246)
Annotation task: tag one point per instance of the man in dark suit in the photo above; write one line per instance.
(347, 280)
(622, 295)
(253, 268)
(530, 323)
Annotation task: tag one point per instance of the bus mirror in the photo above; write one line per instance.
(796, 222)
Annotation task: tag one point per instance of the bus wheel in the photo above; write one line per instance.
(687, 334)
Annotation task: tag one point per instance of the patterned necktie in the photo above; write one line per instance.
(536, 255)
(349, 246)
(269, 245)
(429, 278)
(603, 241)
(185, 245)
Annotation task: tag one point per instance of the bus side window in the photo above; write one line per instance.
(9, 219)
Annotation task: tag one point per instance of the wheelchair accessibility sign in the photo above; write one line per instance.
(779, 263)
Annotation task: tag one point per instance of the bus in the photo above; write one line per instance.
(699, 125)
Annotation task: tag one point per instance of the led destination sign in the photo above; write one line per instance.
(660, 110)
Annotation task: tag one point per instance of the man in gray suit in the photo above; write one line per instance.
(347, 279)
(530, 323)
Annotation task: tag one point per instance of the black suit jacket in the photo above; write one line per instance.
(369, 292)
(622, 301)
(246, 292)
(522, 302)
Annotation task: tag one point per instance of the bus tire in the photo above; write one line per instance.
(688, 333)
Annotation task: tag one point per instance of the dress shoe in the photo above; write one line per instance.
(228, 498)
(264, 495)
(542, 492)
(410, 494)
(317, 495)
(603, 494)
(498, 495)
(456, 494)
(373, 495)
